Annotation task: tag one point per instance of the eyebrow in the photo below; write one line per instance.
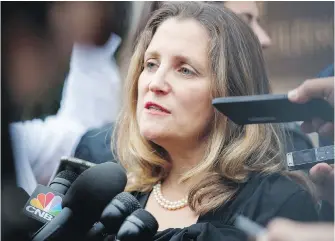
(151, 54)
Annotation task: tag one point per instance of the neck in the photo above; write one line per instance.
(182, 160)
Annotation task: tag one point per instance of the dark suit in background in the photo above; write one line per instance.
(95, 145)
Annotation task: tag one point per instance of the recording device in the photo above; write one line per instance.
(305, 159)
(45, 202)
(113, 216)
(84, 202)
(140, 225)
(270, 108)
(72, 164)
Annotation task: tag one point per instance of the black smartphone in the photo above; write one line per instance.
(271, 108)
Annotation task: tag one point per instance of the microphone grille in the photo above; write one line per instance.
(129, 201)
(67, 175)
(147, 218)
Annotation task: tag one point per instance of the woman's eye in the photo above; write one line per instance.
(186, 71)
(150, 65)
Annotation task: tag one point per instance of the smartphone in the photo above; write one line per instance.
(271, 108)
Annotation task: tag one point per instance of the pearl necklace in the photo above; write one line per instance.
(170, 205)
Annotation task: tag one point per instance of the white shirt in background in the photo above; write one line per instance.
(91, 98)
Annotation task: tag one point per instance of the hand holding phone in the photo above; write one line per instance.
(315, 88)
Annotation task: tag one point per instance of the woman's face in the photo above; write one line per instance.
(174, 101)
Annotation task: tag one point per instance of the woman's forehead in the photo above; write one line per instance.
(185, 38)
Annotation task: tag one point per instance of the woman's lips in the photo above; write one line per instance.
(156, 108)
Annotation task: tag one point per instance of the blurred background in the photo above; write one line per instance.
(302, 35)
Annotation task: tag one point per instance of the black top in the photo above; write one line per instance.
(261, 199)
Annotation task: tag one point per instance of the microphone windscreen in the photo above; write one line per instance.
(94, 189)
(147, 218)
(68, 175)
(129, 201)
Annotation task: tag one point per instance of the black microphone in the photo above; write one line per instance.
(113, 216)
(140, 225)
(45, 202)
(72, 164)
(62, 182)
(84, 202)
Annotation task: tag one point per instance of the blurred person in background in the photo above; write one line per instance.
(249, 12)
(95, 144)
(38, 39)
(322, 174)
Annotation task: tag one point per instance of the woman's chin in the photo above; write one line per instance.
(153, 135)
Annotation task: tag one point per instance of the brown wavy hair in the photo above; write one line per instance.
(233, 151)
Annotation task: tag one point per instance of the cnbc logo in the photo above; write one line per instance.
(44, 206)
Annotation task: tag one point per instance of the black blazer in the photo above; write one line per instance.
(261, 199)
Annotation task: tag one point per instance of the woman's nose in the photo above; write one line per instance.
(158, 83)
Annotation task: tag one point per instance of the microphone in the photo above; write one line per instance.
(113, 216)
(45, 202)
(72, 164)
(84, 202)
(62, 182)
(140, 225)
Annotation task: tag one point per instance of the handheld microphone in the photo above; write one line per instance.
(84, 202)
(140, 225)
(62, 182)
(113, 216)
(72, 164)
(45, 202)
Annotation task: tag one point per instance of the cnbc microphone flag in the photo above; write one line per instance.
(44, 204)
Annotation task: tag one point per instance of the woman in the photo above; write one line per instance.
(190, 166)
